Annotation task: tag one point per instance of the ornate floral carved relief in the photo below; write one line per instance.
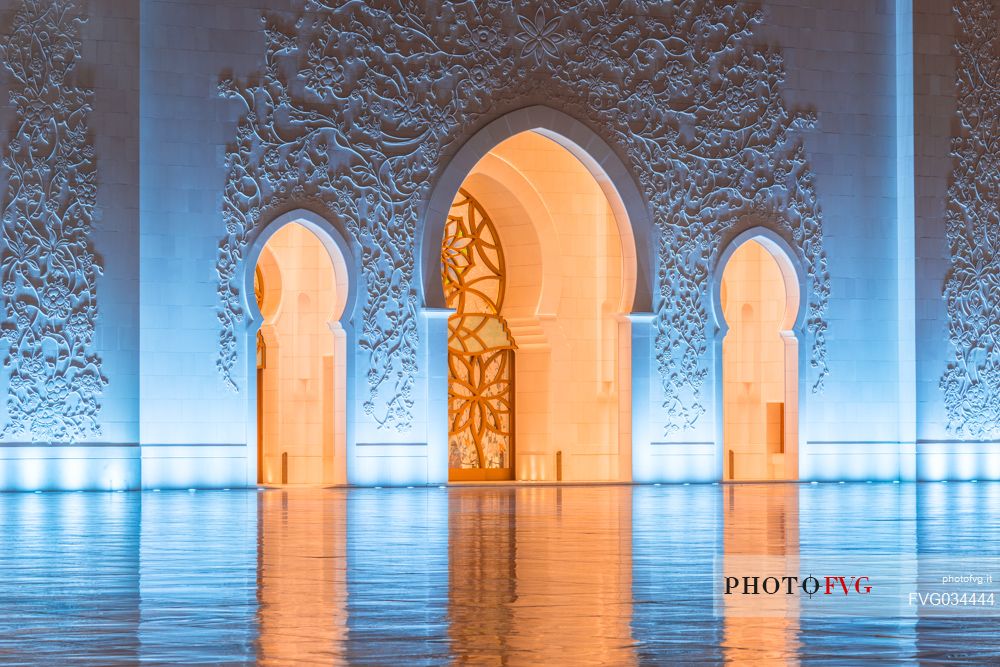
(971, 384)
(359, 105)
(48, 270)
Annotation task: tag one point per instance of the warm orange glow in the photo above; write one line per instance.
(302, 393)
(480, 347)
(303, 617)
(759, 368)
(505, 575)
(761, 537)
(568, 285)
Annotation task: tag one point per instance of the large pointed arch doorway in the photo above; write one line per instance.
(535, 266)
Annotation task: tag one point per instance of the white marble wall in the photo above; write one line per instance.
(840, 59)
(942, 453)
(109, 65)
(186, 47)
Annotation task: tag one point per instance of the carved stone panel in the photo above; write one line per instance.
(971, 383)
(359, 105)
(49, 268)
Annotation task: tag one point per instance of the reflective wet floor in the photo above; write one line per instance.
(502, 575)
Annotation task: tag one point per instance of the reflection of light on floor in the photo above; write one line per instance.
(760, 525)
(488, 574)
(301, 582)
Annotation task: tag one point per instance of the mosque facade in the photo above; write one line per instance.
(418, 242)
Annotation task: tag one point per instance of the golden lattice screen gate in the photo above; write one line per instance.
(480, 347)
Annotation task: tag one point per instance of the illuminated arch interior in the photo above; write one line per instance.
(759, 301)
(566, 288)
(301, 406)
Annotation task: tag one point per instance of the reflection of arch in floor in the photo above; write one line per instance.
(568, 290)
(301, 577)
(498, 581)
(760, 531)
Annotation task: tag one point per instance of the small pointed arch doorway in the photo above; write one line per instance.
(759, 300)
(300, 289)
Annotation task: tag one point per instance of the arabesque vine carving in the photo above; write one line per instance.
(360, 103)
(48, 271)
(971, 383)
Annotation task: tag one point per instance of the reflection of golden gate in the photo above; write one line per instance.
(480, 347)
